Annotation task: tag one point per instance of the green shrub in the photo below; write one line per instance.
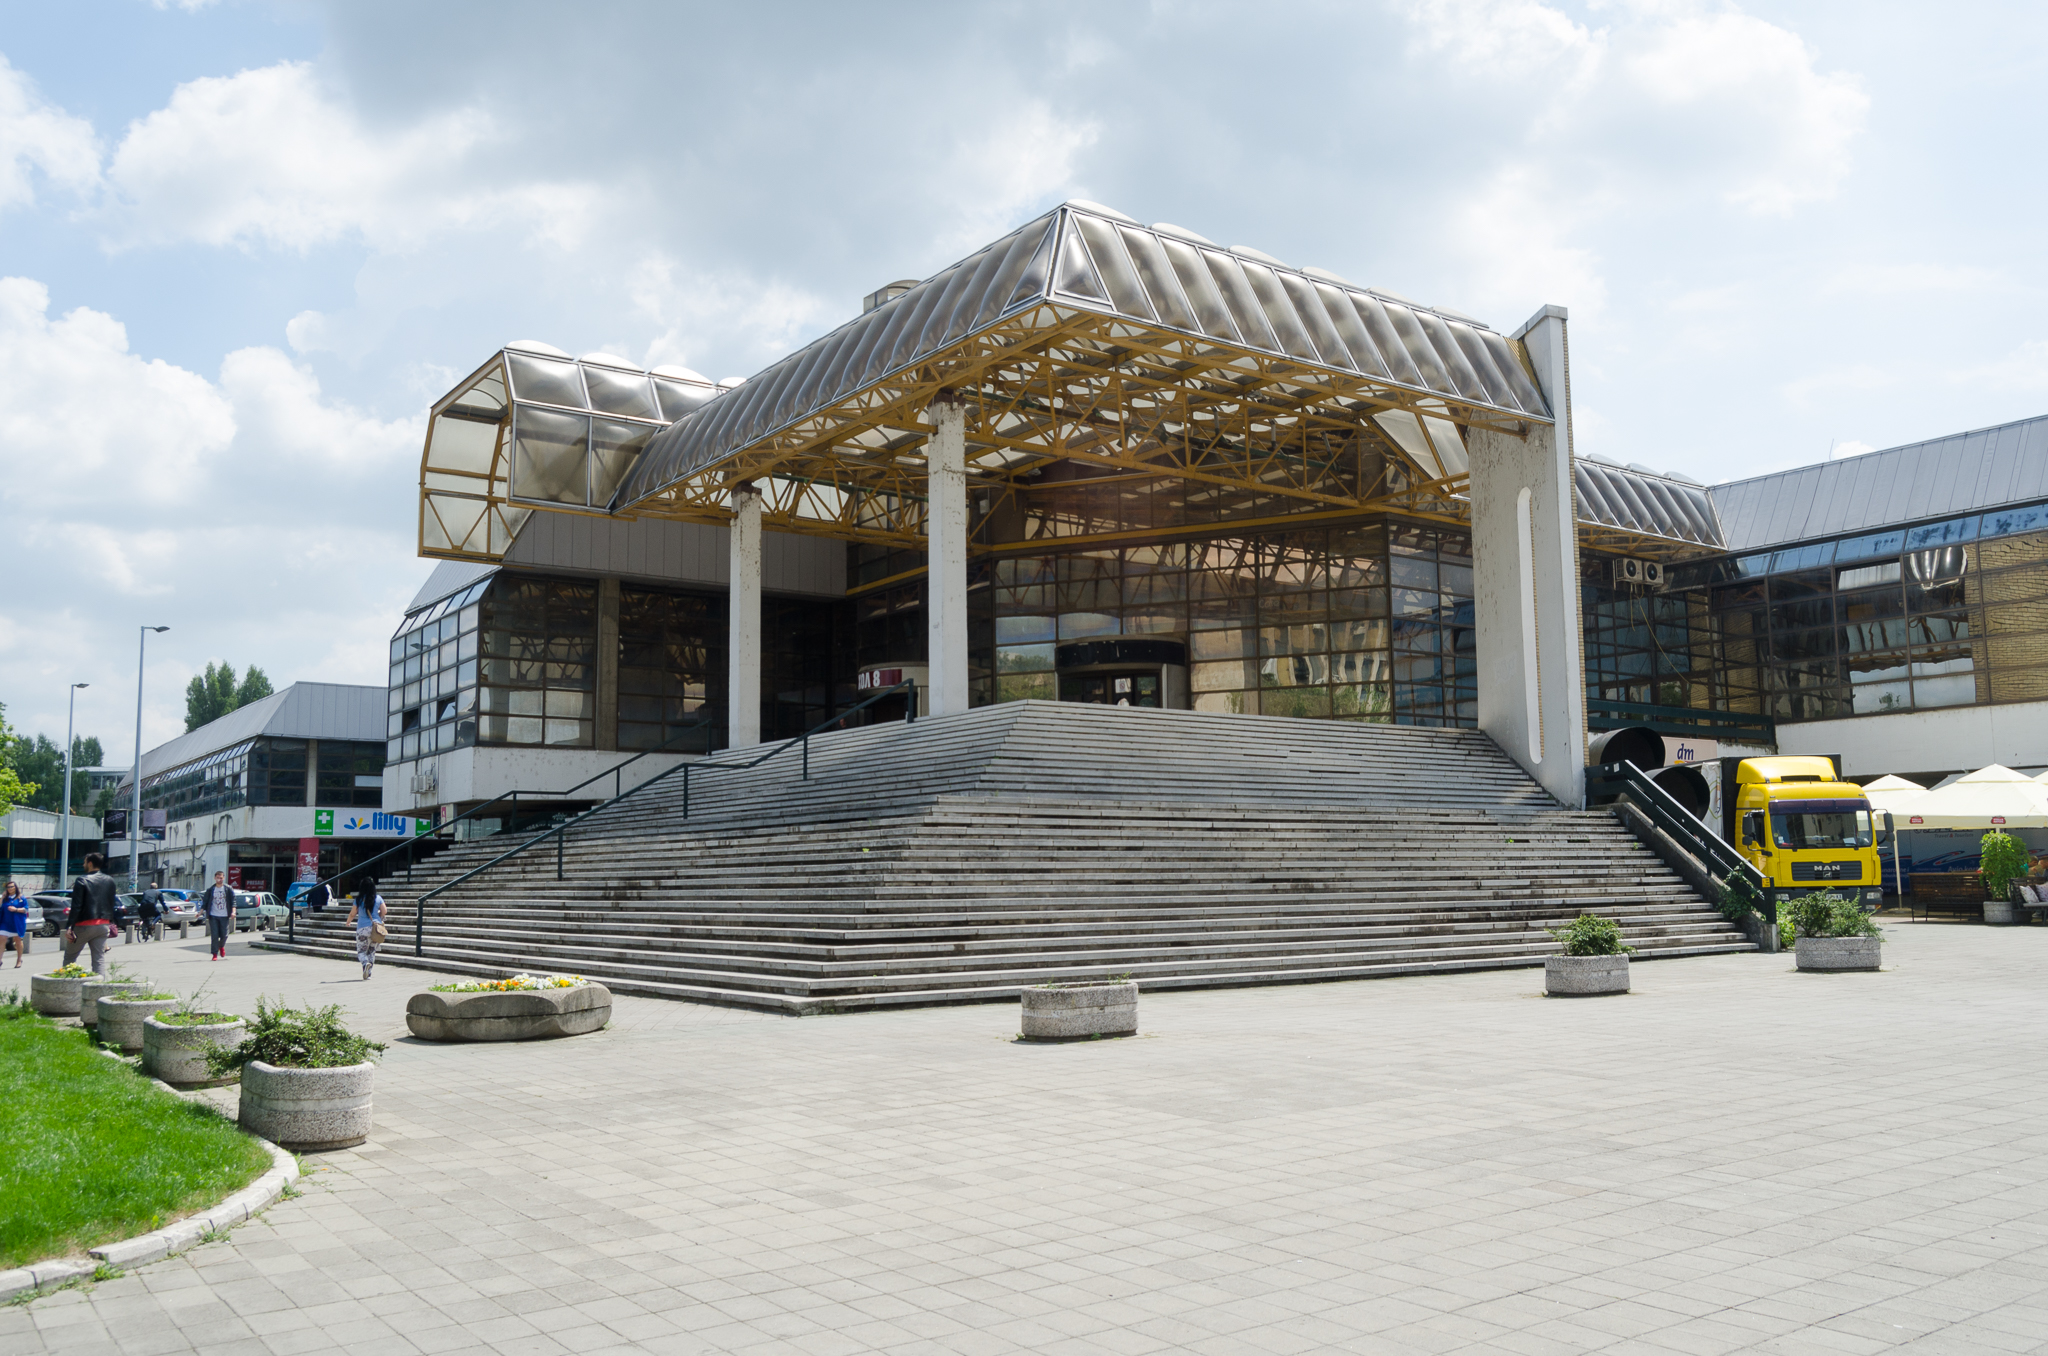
(2004, 862)
(294, 1038)
(1821, 914)
(1739, 899)
(182, 1018)
(1591, 935)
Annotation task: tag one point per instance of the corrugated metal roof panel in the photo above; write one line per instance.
(1942, 477)
(301, 711)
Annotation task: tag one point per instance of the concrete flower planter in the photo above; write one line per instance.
(92, 991)
(1077, 1011)
(2000, 912)
(307, 1109)
(176, 1052)
(1838, 953)
(54, 997)
(519, 1015)
(120, 1019)
(1584, 976)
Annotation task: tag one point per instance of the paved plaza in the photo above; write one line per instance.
(1735, 1157)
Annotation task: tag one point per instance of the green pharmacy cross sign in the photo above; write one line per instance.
(367, 824)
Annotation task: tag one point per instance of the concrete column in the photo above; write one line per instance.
(946, 552)
(1525, 566)
(743, 644)
(606, 729)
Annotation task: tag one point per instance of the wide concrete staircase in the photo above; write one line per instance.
(963, 857)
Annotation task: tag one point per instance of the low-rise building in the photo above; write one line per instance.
(272, 793)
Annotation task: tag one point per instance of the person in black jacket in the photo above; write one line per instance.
(93, 906)
(148, 909)
(318, 897)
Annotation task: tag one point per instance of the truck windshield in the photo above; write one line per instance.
(1830, 829)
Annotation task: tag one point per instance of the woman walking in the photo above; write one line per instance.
(368, 916)
(14, 923)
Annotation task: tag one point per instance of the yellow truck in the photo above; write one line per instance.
(1805, 829)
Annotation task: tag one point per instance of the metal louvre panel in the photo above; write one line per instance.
(1420, 351)
(1128, 271)
(1372, 313)
(1113, 264)
(1316, 320)
(1495, 385)
(1156, 274)
(1245, 311)
(1212, 314)
(1510, 367)
(1446, 348)
(1364, 353)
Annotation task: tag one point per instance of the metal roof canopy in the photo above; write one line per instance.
(1084, 338)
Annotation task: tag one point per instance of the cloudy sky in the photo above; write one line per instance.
(244, 245)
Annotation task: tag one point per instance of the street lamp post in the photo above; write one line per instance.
(64, 851)
(135, 813)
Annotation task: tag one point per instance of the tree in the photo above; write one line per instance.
(40, 761)
(214, 693)
(13, 790)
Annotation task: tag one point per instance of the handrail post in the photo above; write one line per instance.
(686, 790)
(807, 755)
(561, 835)
(909, 700)
(419, 925)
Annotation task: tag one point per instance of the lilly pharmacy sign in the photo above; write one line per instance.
(367, 824)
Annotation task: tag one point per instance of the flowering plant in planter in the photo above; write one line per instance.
(516, 984)
(72, 971)
(1591, 935)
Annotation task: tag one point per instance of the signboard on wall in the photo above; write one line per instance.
(235, 877)
(309, 859)
(367, 824)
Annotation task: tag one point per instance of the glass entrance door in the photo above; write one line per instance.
(1111, 689)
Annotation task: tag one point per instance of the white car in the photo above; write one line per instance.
(248, 906)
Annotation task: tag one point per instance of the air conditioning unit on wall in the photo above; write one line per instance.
(1632, 570)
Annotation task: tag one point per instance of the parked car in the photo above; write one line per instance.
(179, 910)
(247, 904)
(56, 907)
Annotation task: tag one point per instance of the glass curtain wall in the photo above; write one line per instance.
(1946, 614)
(672, 658)
(203, 786)
(1367, 622)
(350, 773)
(433, 689)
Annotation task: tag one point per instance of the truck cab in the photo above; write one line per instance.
(1804, 829)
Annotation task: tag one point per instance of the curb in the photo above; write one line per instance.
(161, 1243)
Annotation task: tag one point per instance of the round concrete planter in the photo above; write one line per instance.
(307, 1109)
(1838, 953)
(519, 1015)
(92, 991)
(176, 1052)
(1584, 976)
(120, 1019)
(54, 997)
(1077, 1011)
(2000, 911)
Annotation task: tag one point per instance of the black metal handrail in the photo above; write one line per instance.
(616, 771)
(1624, 780)
(560, 831)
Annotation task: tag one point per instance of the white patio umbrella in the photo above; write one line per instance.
(1993, 797)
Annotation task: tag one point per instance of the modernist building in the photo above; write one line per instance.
(1100, 461)
(272, 791)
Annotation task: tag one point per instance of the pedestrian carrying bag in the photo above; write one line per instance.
(378, 932)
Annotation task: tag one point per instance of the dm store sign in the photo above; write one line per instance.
(366, 824)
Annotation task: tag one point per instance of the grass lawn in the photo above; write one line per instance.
(91, 1152)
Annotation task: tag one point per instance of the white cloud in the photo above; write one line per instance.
(1008, 169)
(688, 303)
(261, 519)
(273, 157)
(81, 416)
(36, 136)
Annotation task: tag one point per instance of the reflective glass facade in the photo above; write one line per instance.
(269, 771)
(1944, 614)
